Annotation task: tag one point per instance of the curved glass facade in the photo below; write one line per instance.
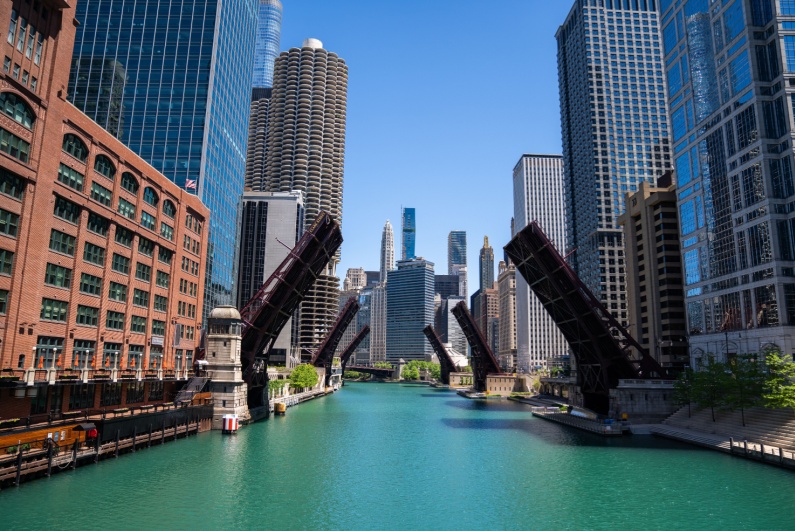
(269, 30)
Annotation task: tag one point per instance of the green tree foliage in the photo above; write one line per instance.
(467, 369)
(415, 366)
(275, 385)
(382, 365)
(683, 389)
(303, 376)
(710, 385)
(745, 383)
(411, 373)
(779, 387)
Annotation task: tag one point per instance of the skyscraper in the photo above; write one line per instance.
(409, 304)
(486, 265)
(506, 285)
(538, 195)
(306, 151)
(387, 251)
(269, 32)
(729, 91)
(456, 250)
(184, 103)
(378, 324)
(463, 287)
(615, 130)
(408, 250)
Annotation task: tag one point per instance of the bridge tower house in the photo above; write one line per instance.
(224, 329)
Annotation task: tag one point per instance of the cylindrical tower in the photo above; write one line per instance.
(306, 151)
(269, 30)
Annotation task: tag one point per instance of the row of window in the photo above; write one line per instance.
(25, 37)
(55, 310)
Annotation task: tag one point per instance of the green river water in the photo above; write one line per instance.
(389, 456)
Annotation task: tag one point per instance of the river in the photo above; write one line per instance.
(389, 456)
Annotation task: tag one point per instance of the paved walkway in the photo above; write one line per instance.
(700, 438)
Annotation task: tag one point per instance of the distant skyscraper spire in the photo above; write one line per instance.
(269, 30)
(387, 251)
(456, 250)
(409, 234)
(486, 265)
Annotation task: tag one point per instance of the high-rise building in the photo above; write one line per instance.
(378, 324)
(449, 330)
(463, 288)
(355, 279)
(408, 249)
(456, 250)
(486, 265)
(506, 286)
(306, 151)
(654, 272)
(488, 301)
(372, 278)
(538, 196)
(269, 32)
(272, 223)
(446, 286)
(409, 310)
(615, 130)
(387, 250)
(729, 69)
(184, 103)
(363, 317)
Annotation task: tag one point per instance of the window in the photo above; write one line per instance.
(100, 194)
(146, 247)
(120, 264)
(164, 255)
(71, 178)
(66, 210)
(158, 328)
(114, 321)
(124, 237)
(134, 355)
(75, 147)
(3, 301)
(161, 303)
(87, 316)
(81, 396)
(167, 231)
(90, 284)
(104, 166)
(135, 393)
(58, 276)
(162, 279)
(156, 391)
(11, 185)
(6, 262)
(117, 292)
(150, 196)
(126, 208)
(143, 272)
(60, 242)
(14, 146)
(148, 220)
(7, 64)
(138, 324)
(97, 224)
(129, 182)
(93, 254)
(39, 43)
(16, 108)
(9, 223)
(52, 310)
(16, 71)
(111, 394)
(12, 29)
(169, 209)
(141, 298)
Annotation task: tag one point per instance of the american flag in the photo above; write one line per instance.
(190, 184)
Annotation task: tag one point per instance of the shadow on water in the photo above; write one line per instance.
(488, 405)
(438, 394)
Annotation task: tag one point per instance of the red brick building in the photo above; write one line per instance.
(101, 257)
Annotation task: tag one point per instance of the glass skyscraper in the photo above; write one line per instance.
(269, 30)
(172, 80)
(614, 123)
(730, 73)
(409, 309)
(408, 247)
(456, 250)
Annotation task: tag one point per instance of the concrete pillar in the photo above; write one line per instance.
(223, 340)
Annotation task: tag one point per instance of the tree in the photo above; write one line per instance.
(411, 373)
(710, 384)
(683, 389)
(779, 386)
(303, 376)
(745, 384)
(382, 365)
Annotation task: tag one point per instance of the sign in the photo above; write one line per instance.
(157, 341)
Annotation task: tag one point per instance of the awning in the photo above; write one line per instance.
(85, 426)
(202, 362)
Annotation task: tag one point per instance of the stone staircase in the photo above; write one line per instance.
(775, 427)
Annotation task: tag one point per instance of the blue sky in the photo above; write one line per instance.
(443, 99)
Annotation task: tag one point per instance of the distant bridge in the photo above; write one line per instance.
(378, 372)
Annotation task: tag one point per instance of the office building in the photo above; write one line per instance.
(181, 109)
(409, 231)
(615, 131)
(378, 324)
(446, 286)
(730, 70)
(363, 317)
(654, 273)
(486, 265)
(101, 256)
(456, 250)
(449, 329)
(387, 251)
(271, 225)
(409, 301)
(463, 288)
(538, 196)
(355, 279)
(269, 32)
(488, 311)
(506, 286)
(306, 151)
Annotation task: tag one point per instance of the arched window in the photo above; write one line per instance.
(169, 209)
(16, 108)
(104, 166)
(129, 182)
(75, 147)
(150, 196)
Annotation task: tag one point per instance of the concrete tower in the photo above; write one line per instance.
(224, 329)
(306, 151)
(387, 251)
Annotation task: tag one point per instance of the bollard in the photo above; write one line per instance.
(745, 446)
(149, 442)
(19, 465)
(780, 455)
(96, 449)
(117, 444)
(762, 451)
(135, 436)
(731, 445)
(49, 458)
(74, 456)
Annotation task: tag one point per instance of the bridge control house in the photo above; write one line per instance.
(102, 258)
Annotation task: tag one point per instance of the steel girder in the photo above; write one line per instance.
(602, 347)
(483, 360)
(351, 348)
(445, 361)
(324, 355)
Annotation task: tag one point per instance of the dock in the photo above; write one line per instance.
(554, 414)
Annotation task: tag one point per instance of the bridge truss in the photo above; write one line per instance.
(483, 360)
(324, 355)
(445, 361)
(351, 348)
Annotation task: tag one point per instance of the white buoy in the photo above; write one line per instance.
(230, 423)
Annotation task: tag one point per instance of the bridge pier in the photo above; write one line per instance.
(229, 389)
